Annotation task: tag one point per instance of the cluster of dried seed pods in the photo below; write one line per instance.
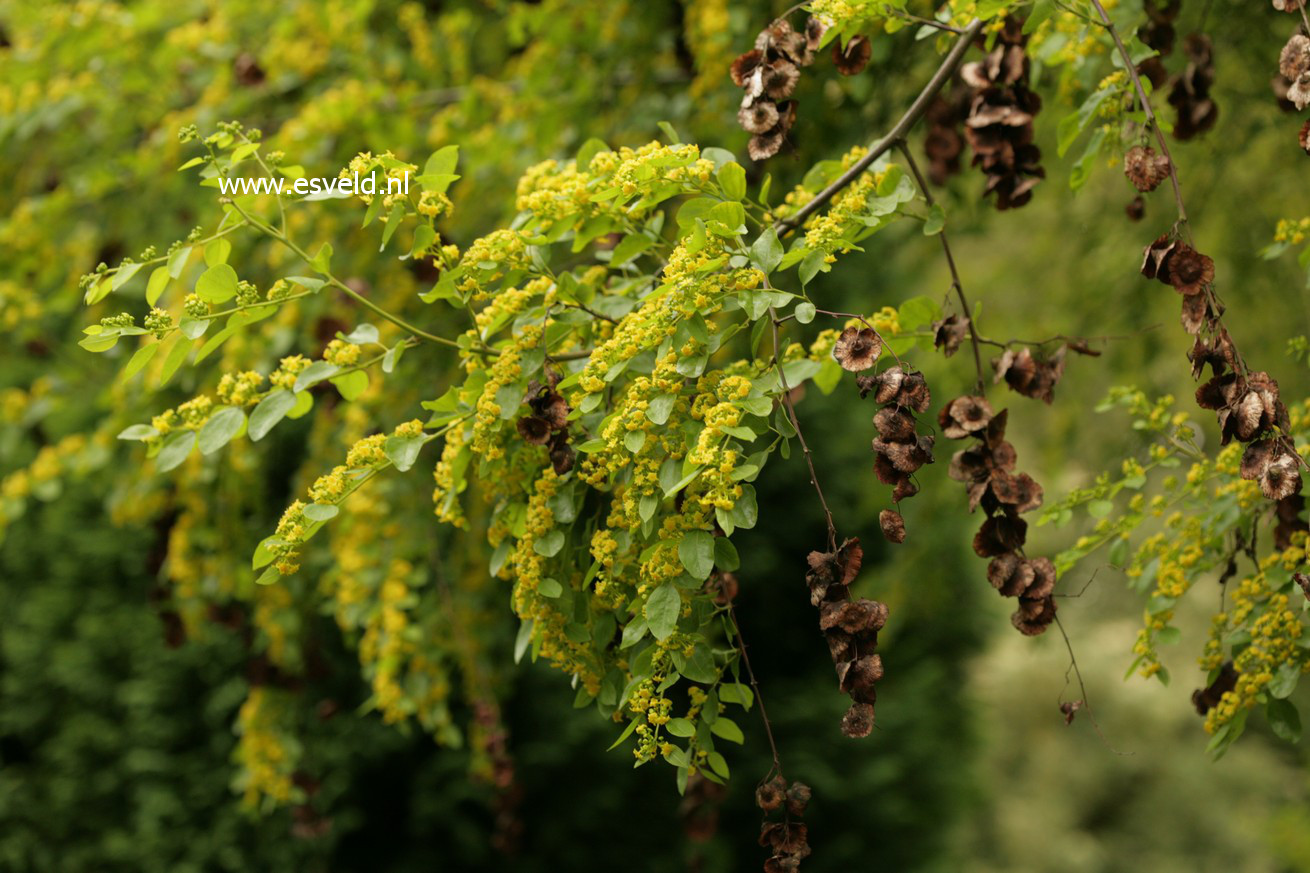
(788, 840)
(548, 424)
(987, 471)
(850, 628)
(899, 449)
(1190, 94)
(1000, 123)
(1294, 67)
(1032, 375)
(1145, 169)
(1246, 403)
(768, 74)
(1288, 513)
(943, 143)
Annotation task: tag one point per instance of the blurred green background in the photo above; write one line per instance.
(116, 735)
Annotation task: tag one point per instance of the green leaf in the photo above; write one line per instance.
(175, 449)
(766, 251)
(661, 408)
(662, 610)
(805, 312)
(138, 432)
(727, 729)
(936, 220)
(696, 552)
(1284, 681)
(123, 275)
(736, 693)
(633, 440)
(321, 511)
(352, 384)
(221, 427)
(403, 450)
(589, 150)
(680, 727)
(627, 732)
(733, 179)
(1284, 720)
(139, 359)
(313, 374)
(269, 412)
(718, 764)
(443, 161)
(156, 285)
(322, 261)
(725, 555)
(550, 588)
(814, 263)
(549, 546)
(218, 284)
(631, 246)
(176, 356)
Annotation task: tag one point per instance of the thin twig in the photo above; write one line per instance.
(1082, 688)
(1151, 120)
(895, 135)
(950, 262)
(759, 698)
(796, 425)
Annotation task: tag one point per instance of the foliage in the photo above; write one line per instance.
(608, 358)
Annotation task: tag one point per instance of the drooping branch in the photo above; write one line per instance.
(956, 284)
(898, 132)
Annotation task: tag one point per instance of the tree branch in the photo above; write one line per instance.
(895, 135)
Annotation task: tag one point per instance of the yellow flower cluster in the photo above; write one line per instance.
(341, 353)
(265, 752)
(1291, 230)
(240, 389)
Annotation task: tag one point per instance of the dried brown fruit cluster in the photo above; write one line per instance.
(1288, 5)
(1294, 69)
(1032, 376)
(769, 72)
(987, 471)
(787, 839)
(1288, 512)
(1190, 95)
(1205, 699)
(1158, 31)
(548, 425)
(1145, 169)
(944, 144)
(1000, 123)
(1247, 403)
(1190, 273)
(899, 449)
(850, 628)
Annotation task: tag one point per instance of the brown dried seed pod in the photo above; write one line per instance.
(1144, 168)
(758, 116)
(1155, 258)
(1205, 699)
(858, 721)
(857, 349)
(798, 795)
(1295, 57)
(1135, 209)
(1031, 623)
(949, 333)
(772, 794)
(1281, 478)
(852, 58)
(998, 535)
(894, 423)
(745, 66)
(1189, 270)
(1304, 137)
(893, 525)
(534, 430)
(964, 415)
(763, 146)
(1010, 574)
